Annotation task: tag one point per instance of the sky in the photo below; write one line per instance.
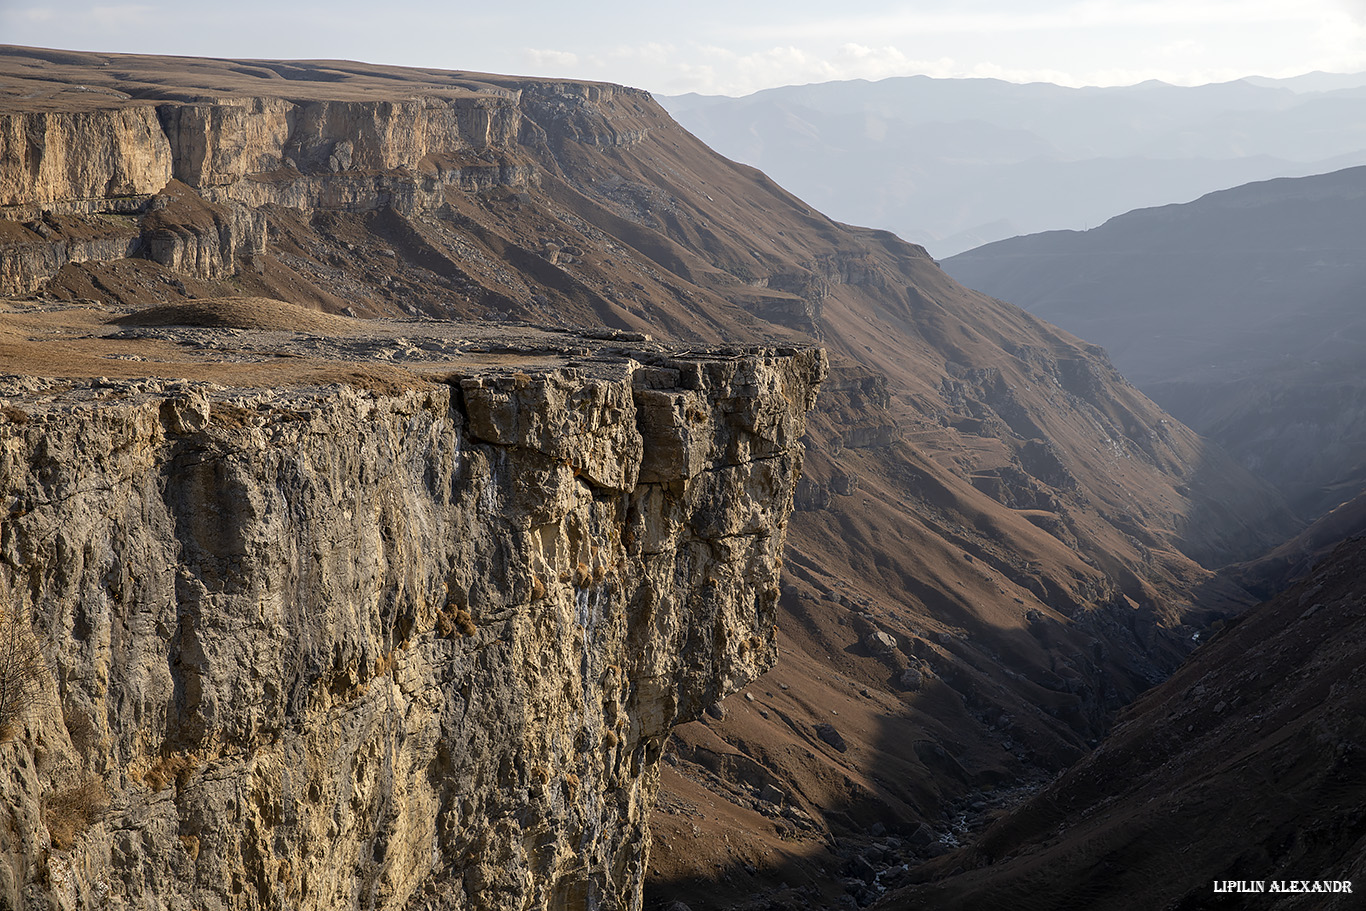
(735, 48)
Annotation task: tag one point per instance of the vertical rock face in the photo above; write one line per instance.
(219, 143)
(324, 648)
(185, 233)
(233, 156)
(72, 158)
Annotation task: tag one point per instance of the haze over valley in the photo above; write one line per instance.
(955, 163)
(1240, 312)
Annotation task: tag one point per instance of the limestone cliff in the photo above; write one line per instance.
(81, 160)
(324, 647)
(238, 153)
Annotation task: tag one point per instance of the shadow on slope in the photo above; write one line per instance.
(1245, 765)
(1239, 312)
(941, 659)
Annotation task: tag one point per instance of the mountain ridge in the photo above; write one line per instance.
(1036, 157)
(1238, 311)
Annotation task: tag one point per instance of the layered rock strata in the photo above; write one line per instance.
(118, 161)
(325, 647)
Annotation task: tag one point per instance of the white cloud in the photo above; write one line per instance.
(1182, 47)
(730, 72)
(1344, 43)
(652, 52)
(550, 58)
(1051, 17)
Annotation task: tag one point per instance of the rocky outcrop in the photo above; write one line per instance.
(178, 229)
(188, 235)
(560, 112)
(32, 252)
(346, 155)
(798, 305)
(239, 155)
(858, 400)
(326, 647)
(67, 161)
(220, 143)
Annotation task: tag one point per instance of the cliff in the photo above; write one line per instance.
(112, 160)
(327, 646)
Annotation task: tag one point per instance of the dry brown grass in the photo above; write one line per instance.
(68, 813)
(22, 670)
(176, 767)
(239, 313)
(70, 342)
(464, 622)
(455, 620)
(47, 80)
(82, 731)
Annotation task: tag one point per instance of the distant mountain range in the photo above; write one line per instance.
(1240, 313)
(956, 163)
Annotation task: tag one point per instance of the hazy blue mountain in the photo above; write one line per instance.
(1313, 82)
(954, 163)
(1242, 313)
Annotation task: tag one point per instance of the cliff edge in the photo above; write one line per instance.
(361, 645)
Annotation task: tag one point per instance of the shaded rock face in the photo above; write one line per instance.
(325, 648)
(45, 245)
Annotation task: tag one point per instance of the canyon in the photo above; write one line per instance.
(444, 427)
(1247, 760)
